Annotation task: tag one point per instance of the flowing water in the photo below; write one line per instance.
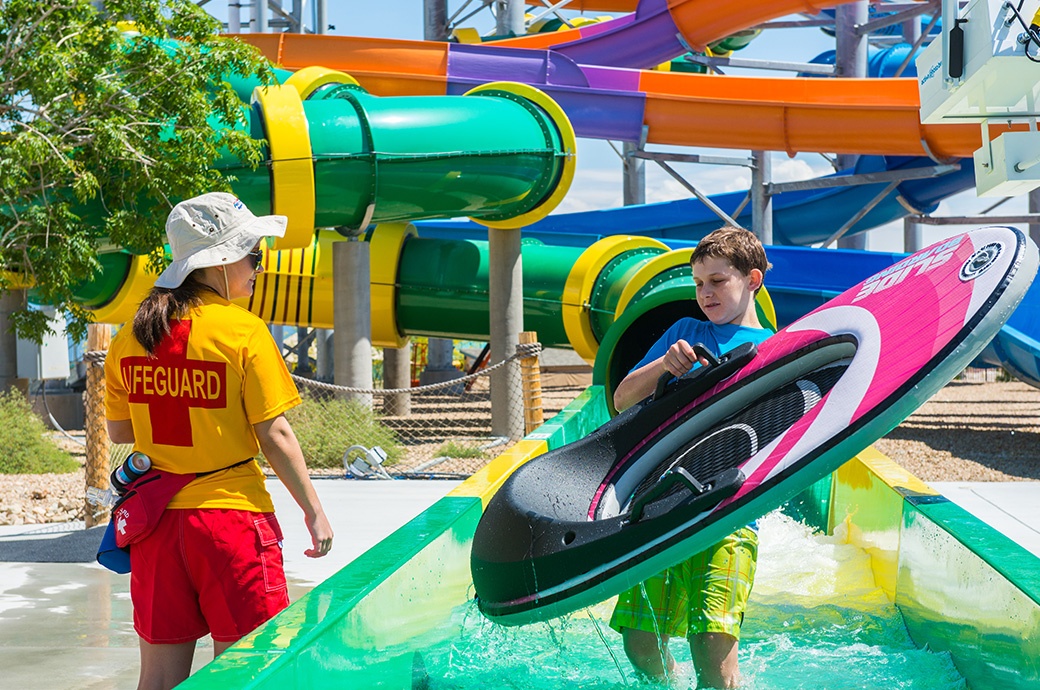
(816, 620)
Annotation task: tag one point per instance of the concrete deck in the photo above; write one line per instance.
(1013, 508)
(69, 624)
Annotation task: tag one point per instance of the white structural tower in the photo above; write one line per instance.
(987, 68)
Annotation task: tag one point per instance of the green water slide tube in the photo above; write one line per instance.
(338, 157)
(608, 301)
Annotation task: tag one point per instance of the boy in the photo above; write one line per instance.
(705, 596)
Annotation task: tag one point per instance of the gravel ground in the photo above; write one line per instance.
(972, 430)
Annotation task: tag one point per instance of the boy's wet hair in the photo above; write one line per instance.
(738, 246)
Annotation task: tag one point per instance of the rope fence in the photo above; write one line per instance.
(445, 430)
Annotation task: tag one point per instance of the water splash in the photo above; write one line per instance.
(816, 620)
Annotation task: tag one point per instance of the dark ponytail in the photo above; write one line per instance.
(162, 305)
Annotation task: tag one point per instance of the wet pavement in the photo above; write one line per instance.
(70, 624)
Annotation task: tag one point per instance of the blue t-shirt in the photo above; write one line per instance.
(718, 339)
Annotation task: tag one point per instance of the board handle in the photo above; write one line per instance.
(702, 496)
(676, 475)
(715, 369)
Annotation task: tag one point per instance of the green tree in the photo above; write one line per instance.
(103, 127)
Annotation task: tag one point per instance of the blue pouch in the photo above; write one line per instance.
(110, 554)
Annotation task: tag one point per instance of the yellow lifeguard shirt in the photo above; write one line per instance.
(194, 403)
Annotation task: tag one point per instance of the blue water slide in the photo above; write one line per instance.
(801, 278)
(799, 218)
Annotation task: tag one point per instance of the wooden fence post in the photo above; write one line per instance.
(99, 337)
(531, 385)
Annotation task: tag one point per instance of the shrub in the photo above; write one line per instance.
(23, 436)
(326, 427)
(452, 449)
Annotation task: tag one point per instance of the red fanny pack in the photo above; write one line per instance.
(137, 514)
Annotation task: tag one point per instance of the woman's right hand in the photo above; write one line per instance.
(321, 536)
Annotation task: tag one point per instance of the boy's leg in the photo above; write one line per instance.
(648, 653)
(719, 581)
(647, 616)
(715, 658)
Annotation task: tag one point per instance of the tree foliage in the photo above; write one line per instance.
(104, 125)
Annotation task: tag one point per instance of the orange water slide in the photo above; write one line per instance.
(867, 116)
(699, 21)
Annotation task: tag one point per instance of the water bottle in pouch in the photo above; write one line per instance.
(135, 465)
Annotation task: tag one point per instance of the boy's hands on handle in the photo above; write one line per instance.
(681, 352)
(681, 357)
(678, 360)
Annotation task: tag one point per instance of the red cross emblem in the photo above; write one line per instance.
(170, 384)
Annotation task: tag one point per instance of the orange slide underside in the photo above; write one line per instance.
(866, 116)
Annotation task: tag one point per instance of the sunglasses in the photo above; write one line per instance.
(256, 257)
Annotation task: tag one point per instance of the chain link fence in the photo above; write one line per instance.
(440, 429)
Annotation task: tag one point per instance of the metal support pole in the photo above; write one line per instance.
(435, 20)
(510, 18)
(911, 29)
(761, 200)
(633, 176)
(851, 48)
(258, 18)
(323, 339)
(234, 16)
(321, 17)
(913, 237)
(439, 365)
(506, 302)
(303, 358)
(278, 333)
(298, 11)
(397, 373)
(352, 317)
(851, 62)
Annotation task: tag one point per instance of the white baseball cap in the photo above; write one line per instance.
(214, 229)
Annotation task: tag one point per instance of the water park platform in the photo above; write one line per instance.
(66, 622)
(69, 624)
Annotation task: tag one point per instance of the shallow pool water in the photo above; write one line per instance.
(816, 620)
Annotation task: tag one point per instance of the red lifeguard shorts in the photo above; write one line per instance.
(207, 571)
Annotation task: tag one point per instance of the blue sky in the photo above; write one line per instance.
(598, 180)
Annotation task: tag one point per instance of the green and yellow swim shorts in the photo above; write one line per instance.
(707, 592)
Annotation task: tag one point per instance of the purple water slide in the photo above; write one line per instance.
(602, 103)
(645, 39)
